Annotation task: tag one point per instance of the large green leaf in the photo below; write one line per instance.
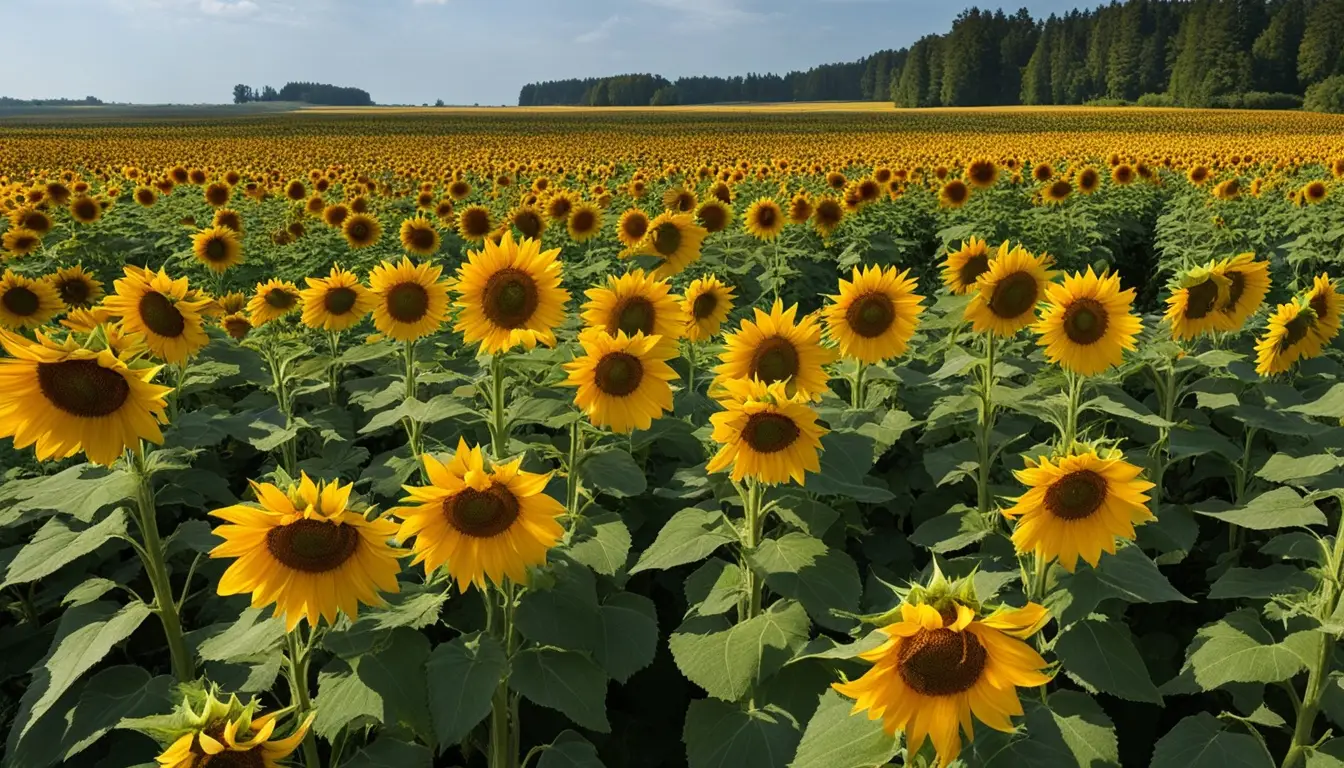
(80, 491)
(56, 545)
(955, 529)
(800, 567)
(1261, 583)
(463, 676)
(728, 659)
(570, 750)
(1238, 649)
(562, 609)
(722, 735)
(1204, 741)
(387, 752)
(714, 587)
(601, 542)
(111, 695)
(1282, 468)
(836, 739)
(1101, 655)
(255, 632)
(1277, 508)
(564, 681)
(690, 535)
(387, 685)
(613, 471)
(629, 635)
(1132, 576)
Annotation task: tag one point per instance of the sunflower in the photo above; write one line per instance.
(622, 380)
(954, 194)
(459, 190)
(217, 194)
(800, 208)
(827, 216)
(1086, 324)
(31, 218)
(965, 265)
(1042, 173)
(484, 524)
(419, 236)
(237, 325)
(26, 302)
(77, 288)
(1122, 174)
(585, 222)
(334, 216)
(714, 215)
(1288, 338)
(982, 174)
(361, 230)
(1088, 180)
(20, 241)
(776, 349)
(1229, 189)
(411, 300)
(305, 551)
(635, 302)
(1192, 308)
(674, 240)
(335, 302)
(230, 219)
(559, 205)
(1006, 295)
(1057, 191)
(474, 223)
(706, 303)
(273, 300)
(235, 301)
(528, 220)
(678, 199)
(875, 315)
(1248, 284)
(86, 320)
(240, 741)
(218, 248)
(764, 219)
(940, 664)
(1325, 301)
(765, 433)
(509, 294)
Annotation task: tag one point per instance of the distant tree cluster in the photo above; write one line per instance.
(1197, 53)
(307, 93)
(87, 101)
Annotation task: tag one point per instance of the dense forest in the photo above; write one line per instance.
(87, 101)
(307, 93)
(1198, 53)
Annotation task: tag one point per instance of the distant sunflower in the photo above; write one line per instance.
(315, 205)
(296, 191)
(1228, 189)
(678, 199)
(765, 433)
(335, 302)
(1248, 285)
(954, 194)
(459, 190)
(361, 230)
(411, 300)
(418, 236)
(334, 216)
(1077, 505)
(33, 219)
(714, 215)
(1325, 301)
(1057, 191)
(764, 219)
(236, 324)
(827, 216)
(306, 551)
(20, 241)
(1313, 193)
(273, 300)
(218, 248)
(528, 220)
(875, 314)
(559, 205)
(145, 197)
(982, 173)
(706, 303)
(1198, 175)
(774, 348)
(965, 265)
(1088, 180)
(68, 399)
(585, 222)
(1192, 308)
(623, 380)
(509, 295)
(77, 288)
(1005, 296)
(85, 209)
(474, 223)
(635, 303)
(632, 227)
(674, 239)
(800, 208)
(1123, 174)
(444, 209)
(1087, 324)
(228, 219)
(484, 524)
(163, 310)
(217, 194)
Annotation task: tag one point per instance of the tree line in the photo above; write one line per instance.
(1197, 53)
(307, 93)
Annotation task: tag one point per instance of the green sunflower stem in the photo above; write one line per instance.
(986, 431)
(749, 607)
(289, 450)
(1071, 418)
(572, 480)
(1168, 392)
(1319, 672)
(413, 427)
(504, 726)
(156, 567)
(499, 426)
(334, 373)
(296, 662)
(858, 394)
(690, 367)
(175, 404)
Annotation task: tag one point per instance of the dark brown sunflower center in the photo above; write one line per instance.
(1200, 300)
(422, 238)
(765, 217)
(510, 298)
(634, 315)
(82, 387)
(1076, 495)
(618, 374)
(476, 222)
(338, 301)
(770, 432)
(636, 227)
(582, 222)
(482, 514)
(407, 302)
(1235, 290)
(312, 546)
(666, 238)
(1088, 179)
(1085, 321)
(160, 316)
(216, 250)
(21, 301)
(1320, 304)
(871, 315)
(704, 305)
(828, 213)
(528, 223)
(359, 230)
(941, 662)
(74, 292)
(1014, 295)
(1295, 330)
(85, 209)
(280, 298)
(974, 267)
(776, 359)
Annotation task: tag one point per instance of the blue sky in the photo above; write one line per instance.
(461, 51)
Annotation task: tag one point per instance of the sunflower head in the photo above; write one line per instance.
(632, 227)
(765, 433)
(1192, 308)
(335, 302)
(419, 236)
(714, 215)
(27, 302)
(334, 216)
(635, 302)
(474, 223)
(229, 219)
(411, 300)
(965, 265)
(218, 248)
(361, 230)
(217, 194)
(954, 194)
(528, 220)
(622, 381)
(800, 208)
(509, 295)
(77, 288)
(1248, 284)
(875, 314)
(776, 347)
(764, 219)
(85, 209)
(585, 222)
(20, 241)
(827, 216)
(674, 240)
(273, 300)
(1005, 297)
(706, 304)
(1087, 324)
(559, 205)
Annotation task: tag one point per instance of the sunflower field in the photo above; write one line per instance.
(707, 438)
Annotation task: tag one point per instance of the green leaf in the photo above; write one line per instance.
(1204, 741)
(115, 693)
(387, 685)
(952, 462)
(714, 588)
(408, 608)
(955, 529)
(1081, 725)
(56, 545)
(1282, 468)
(728, 659)
(800, 567)
(562, 609)
(1126, 407)
(251, 635)
(1101, 655)
(463, 675)
(601, 542)
(1133, 576)
(836, 739)
(613, 471)
(570, 750)
(722, 735)
(1329, 405)
(808, 515)
(1238, 649)
(629, 635)
(563, 681)
(690, 535)
(387, 752)
(825, 647)
(1278, 508)
(1329, 754)
(1261, 583)
(80, 491)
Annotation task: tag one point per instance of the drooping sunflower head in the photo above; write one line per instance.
(244, 741)
(474, 223)
(305, 550)
(1087, 324)
(776, 348)
(229, 219)
(1192, 308)
(77, 288)
(678, 199)
(217, 194)
(1089, 180)
(954, 194)
(411, 300)
(237, 324)
(765, 433)
(218, 248)
(419, 236)
(20, 241)
(585, 222)
(273, 300)
(706, 303)
(1005, 297)
(1325, 301)
(632, 227)
(30, 218)
(965, 265)
(632, 303)
(361, 230)
(334, 216)
(1228, 189)
(483, 523)
(674, 239)
(1077, 505)
(1248, 284)
(509, 295)
(85, 209)
(764, 219)
(800, 208)
(875, 314)
(528, 220)
(335, 302)
(827, 216)
(714, 215)
(235, 301)
(622, 381)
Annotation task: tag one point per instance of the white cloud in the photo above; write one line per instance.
(707, 14)
(599, 33)
(233, 8)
